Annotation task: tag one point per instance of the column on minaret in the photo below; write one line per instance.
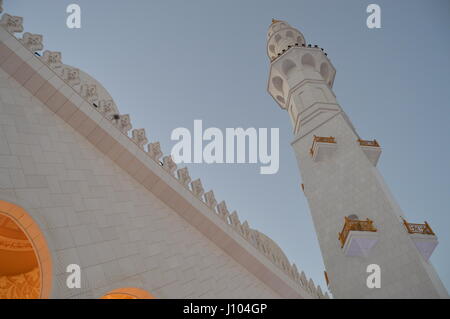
(357, 221)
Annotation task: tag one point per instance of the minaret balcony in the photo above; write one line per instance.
(322, 147)
(423, 237)
(358, 237)
(372, 150)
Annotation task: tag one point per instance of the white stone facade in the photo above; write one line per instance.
(342, 181)
(105, 203)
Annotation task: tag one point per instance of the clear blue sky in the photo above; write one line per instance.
(167, 63)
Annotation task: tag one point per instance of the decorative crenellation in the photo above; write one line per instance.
(184, 177)
(210, 200)
(169, 165)
(123, 123)
(52, 59)
(11, 23)
(197, 188)
(154, 151)
(223, 211)
(288, 47)
(139, 137)
(107, 108)
(71, 76)
(89, 92)
(235, 222)
(32, 42)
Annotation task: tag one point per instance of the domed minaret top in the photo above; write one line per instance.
(280, 37)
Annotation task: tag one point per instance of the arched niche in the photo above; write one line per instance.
(290, 34)
(280, 99)
(128, 293)
(277, 38)
(324, 71)
(278, 83)
(26, 266)
(287, 67)
(308, 61)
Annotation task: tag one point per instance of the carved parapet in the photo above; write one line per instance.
(32, 42)
(235, 222)
(106, 108)
(253, 237)
(294, 272)
(223, 211)
(11, 23)
(319, 293)
(71, 76)
(139, 137)
(89, 92)
(184, 177)
(210, 200)
(123, 123)
(246, 230)
(169, 165)
(154, 151)
(197, 188)
(52, 59)
(311, 286)
(303, 280)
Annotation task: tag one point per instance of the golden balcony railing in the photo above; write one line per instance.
(357, 225)
(373, 143)
(321, 139)
(424, 229)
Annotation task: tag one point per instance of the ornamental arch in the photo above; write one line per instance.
(25, 267)
(128, 293)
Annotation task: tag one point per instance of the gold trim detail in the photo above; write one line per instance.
(321, 139)
(424, 229)
(22, 286)
(275, 21)
(373, 143)
(357, 225)
(12, 244)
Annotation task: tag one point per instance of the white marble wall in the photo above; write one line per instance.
(94, 214)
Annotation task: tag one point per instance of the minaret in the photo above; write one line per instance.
(357, 221)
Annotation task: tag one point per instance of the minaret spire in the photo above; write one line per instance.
(357, 221)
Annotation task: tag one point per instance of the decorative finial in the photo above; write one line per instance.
(275, 20)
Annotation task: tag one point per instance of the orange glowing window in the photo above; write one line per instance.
(25, 267)
(128, 293)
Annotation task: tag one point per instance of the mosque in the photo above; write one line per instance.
(80, 186)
